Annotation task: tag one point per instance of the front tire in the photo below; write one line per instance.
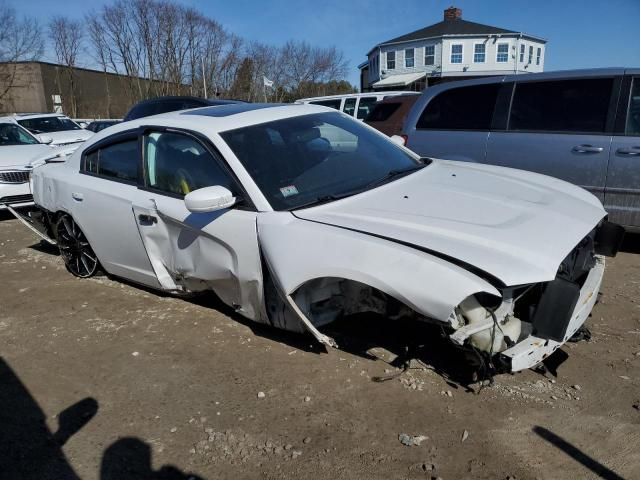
(78, 256)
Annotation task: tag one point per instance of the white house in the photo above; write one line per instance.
(450, 50)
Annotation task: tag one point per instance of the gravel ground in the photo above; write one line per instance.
(103, 380)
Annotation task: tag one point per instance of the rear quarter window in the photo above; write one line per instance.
(580, 105)
(464, 108)
(382, 112)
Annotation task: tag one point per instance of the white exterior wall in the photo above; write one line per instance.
(443, 57)
(419, 65)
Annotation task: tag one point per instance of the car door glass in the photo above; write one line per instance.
(561, 106)
(177, 164)
(633, 115)
(118, 161)
(350, 106)
(466, 108)
(365, 106)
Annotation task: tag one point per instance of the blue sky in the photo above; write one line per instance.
(581, 33)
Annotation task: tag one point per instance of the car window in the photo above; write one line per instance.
(178, 164)
(11, 134)
(561, 105)
(633, 115)
(350, 106)
(316, 156)
(365, 106)
(335, 103)
(465, 108)
(382, 111)
(118, 161)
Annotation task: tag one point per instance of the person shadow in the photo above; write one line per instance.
(30, 450)
(130, 458)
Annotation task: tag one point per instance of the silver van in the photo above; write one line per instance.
(582, 126)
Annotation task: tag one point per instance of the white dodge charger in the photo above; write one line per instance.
(295, 215)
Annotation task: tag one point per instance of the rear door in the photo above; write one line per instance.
(455, 124)
(196, 251)
(560, 128)
(102, 206)
(622, 194)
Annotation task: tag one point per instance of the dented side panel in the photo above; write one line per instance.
(298, 251)
(192, 252)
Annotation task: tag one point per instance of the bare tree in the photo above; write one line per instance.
(66, 36)
(20, 40)
(165, 48)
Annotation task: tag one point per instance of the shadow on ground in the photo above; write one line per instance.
(578, 455)
(29, 450)
(631, 243)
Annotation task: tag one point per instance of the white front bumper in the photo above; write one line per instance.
(533, 350)
(12, 190)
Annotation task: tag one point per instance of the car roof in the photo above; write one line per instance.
(365, 94)
(26, 116)
(214, 120)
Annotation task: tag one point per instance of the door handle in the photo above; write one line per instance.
(78, 197)
(633, 151)
(147, 220)
(587, 149)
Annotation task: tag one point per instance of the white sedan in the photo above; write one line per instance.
(296, 215)
(18, 149)
(53, 128)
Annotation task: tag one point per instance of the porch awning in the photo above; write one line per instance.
(401, 80)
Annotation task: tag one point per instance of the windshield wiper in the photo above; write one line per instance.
(392, 174)
(323, 199)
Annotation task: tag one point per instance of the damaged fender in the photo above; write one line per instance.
(298, 251)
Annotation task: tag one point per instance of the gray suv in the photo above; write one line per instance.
(582, 126)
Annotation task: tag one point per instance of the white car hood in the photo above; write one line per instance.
(19, 156)
(69, 136)
(516, 226)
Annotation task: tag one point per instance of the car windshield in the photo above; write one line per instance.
(11, 134)
(48, 124)
(306, 160)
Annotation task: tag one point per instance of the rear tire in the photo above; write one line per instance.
(78, 256)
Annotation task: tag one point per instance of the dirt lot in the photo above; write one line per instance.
(170, 389)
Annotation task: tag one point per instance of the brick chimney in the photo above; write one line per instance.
(452, 13)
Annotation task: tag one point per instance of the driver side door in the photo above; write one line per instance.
(196, 251)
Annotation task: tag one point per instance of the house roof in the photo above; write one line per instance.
(455, 27)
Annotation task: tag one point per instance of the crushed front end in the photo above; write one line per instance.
(530, 322)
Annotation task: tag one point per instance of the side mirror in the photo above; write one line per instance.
(209, 199)
(46, 139)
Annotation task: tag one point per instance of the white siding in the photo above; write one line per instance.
(419, 65)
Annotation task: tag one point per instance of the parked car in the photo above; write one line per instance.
(582, 126)
(292, 230)
(357, 105)
(51, 128)
(388, 115)
(18, 148)
(155, 106)
(98, 125)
